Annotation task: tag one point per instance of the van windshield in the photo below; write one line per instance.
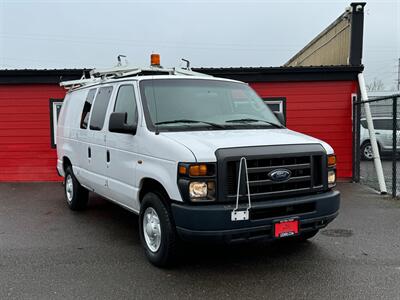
(198, 104)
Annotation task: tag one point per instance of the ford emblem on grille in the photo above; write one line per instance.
(280, 174)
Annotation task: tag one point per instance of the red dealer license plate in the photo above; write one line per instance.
(284, 228)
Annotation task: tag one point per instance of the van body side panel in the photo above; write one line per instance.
(97, 167)
(83, 137)
(153, 151)
(121, 170)
(68, 144)
(123, 157)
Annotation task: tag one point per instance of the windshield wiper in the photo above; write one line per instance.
(215, 125)
(249, 120)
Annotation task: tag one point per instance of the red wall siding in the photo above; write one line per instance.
(25, 144)
(321, 109)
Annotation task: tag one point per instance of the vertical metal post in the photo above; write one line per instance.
(372, 137)
(394, 149)
(356, 138)
(398, 76)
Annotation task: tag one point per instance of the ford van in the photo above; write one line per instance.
(198, 158)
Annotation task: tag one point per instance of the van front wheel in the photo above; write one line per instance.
(75, 194)
(157, 232)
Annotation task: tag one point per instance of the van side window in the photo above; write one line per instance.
(86, 108)
(100, 108)
(126, 102)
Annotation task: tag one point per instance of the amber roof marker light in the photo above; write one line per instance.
(155, 60)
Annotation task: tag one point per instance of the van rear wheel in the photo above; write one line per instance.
(157, 231)
(75, 194)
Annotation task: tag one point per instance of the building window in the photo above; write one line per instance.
(55, 108)
(276, 104)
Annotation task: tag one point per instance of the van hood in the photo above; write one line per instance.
(203, 144)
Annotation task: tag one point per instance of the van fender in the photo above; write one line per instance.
(163, 171)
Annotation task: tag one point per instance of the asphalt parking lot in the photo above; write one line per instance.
(50, 252)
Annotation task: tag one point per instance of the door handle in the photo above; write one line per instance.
(377, 133)
(89, 152)
(108, 156)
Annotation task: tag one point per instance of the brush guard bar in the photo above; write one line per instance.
(240, 214)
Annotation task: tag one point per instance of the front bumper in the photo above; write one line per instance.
(213, 222)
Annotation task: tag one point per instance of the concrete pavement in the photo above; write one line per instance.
(50, 252)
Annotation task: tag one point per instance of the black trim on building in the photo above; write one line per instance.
(246, 74)
(280, 74)
(356, 35)
(36, 76)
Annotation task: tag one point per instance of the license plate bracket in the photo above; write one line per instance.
(240, 215)
(286, 227)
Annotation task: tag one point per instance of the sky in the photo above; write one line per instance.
(219, 33)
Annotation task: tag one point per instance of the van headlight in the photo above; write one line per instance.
(197, 181)
(200, 191)
(331, 162)
(331, 178)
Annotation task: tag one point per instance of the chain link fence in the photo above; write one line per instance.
(385, 117)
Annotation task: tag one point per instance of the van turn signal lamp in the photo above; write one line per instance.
(331, 160)
(198, 170)
(155, 59)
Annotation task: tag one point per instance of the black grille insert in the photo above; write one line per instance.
(306, 175)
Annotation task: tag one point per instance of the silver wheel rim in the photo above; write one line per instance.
(69, 188)
(151, 229)
(368, 152)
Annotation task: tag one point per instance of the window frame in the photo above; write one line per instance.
(106, 110)
(277, 100)
(136, 117)
(53, 102)
(91, 107)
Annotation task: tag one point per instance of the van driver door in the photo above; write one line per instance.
(122, 151)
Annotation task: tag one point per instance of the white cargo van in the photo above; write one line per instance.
(196, 157)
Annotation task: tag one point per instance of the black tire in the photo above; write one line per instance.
(165, 255)
(78, 198)
(366, 151)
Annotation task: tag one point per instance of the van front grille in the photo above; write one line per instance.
(306, 175)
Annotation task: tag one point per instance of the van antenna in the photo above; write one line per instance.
(187, 63)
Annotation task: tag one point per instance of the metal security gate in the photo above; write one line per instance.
(385, 119)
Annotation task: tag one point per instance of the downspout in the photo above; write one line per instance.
(372, 137)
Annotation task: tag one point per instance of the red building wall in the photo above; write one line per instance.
(322, 109)
(25, 143)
